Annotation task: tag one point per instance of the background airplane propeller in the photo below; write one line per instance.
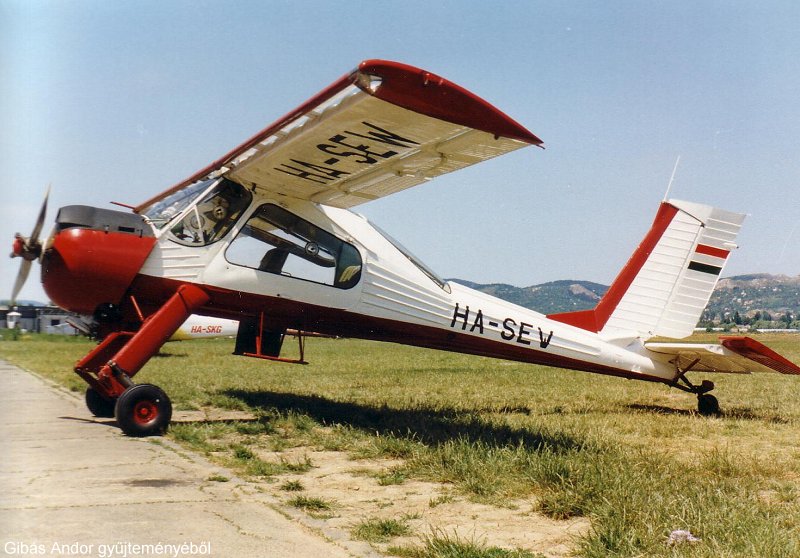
(28, 249)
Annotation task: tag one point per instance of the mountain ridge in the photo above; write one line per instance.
(749, 296)
(554, 296)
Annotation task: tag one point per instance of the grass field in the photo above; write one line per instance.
(633, 459)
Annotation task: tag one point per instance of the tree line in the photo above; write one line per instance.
(757, 320)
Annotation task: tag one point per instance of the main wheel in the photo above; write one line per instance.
(143, 410)
(707, 404)
(98, 405)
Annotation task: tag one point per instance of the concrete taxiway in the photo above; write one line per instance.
(73, 485)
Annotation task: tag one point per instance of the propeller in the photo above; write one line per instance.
(28, 249)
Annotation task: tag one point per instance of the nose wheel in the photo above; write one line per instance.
(143, 410)
(98, 405)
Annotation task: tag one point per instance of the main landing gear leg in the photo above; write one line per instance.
(707, 404)
(140, 409)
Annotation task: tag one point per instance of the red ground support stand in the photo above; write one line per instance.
(256, 341)
(90, 366)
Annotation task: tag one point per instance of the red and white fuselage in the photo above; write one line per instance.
(394, 300)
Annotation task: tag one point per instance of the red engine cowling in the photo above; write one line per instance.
(94, 261)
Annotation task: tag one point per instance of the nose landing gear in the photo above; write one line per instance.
(140, 409)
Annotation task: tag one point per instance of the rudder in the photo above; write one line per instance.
(666, 284)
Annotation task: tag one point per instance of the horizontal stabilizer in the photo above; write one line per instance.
(736, 355)
(758, 352)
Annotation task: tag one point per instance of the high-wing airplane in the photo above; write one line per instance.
(265, 235)
(205, 327)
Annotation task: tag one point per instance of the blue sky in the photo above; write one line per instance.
(120, 100)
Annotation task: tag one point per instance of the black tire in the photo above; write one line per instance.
(98, 405)
(707, 405)
(143, 410)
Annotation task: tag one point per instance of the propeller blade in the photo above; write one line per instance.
(40, 220)
(28, 249)
(24, 270)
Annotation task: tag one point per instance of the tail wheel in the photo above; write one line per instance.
(98, 405)
(707, 404)
(143, 410)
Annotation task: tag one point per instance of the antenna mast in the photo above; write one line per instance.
(671, 178)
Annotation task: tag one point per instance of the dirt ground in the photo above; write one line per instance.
(357, 495)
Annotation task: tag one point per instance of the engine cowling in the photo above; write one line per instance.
(94, 256)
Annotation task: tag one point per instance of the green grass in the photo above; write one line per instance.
(310, 504)
(380, 530)
(442, 545)
(634, 458)
(292, 486)
(392, 477)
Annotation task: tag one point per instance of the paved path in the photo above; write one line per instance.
(67, 478)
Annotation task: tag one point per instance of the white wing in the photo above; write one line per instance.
(381, 129)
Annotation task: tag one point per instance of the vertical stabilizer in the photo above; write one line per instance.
(666, 285)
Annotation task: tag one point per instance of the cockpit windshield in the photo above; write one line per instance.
(163, 211)
(209, 219)
(213, 216)
(414, 260)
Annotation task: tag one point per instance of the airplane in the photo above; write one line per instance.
(266, 235)
(195, 327)
(205, 327)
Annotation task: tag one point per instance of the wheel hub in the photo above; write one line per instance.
(145, 412)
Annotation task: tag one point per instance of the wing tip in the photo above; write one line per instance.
(428, 93)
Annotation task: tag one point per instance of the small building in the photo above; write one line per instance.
(20, 317)
(53, 319)
(36, 318)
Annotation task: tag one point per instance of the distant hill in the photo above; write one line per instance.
(548, 298)
(749, 295)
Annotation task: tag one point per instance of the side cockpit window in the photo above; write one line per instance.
(212, 217)
(277, 241)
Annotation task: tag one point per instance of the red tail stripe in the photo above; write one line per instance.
(594, 320)
(712, 251)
